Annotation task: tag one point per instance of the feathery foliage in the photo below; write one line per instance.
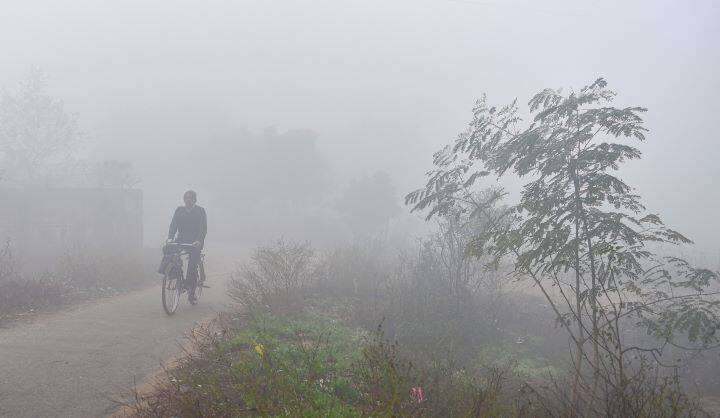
(578, 230)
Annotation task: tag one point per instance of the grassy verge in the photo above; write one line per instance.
(273, 365)
(311, 364)
(308, 344)
(295, 366)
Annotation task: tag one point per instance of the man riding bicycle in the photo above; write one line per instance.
(189, 226)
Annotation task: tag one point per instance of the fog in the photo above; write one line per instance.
(304, 125)
(381, 84)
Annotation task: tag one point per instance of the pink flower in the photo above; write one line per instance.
(417, 394)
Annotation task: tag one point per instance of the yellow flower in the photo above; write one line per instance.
(260, 349)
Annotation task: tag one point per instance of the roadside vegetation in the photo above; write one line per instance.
(296, 348)
(381, 342)
(560, 304)
(70, 278)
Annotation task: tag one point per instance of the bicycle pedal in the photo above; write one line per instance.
(204, 285)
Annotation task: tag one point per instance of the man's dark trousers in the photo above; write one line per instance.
(192, 272)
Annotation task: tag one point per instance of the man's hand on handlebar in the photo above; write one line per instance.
(196, 244)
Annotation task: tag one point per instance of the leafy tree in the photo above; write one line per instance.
(37, 135)
(578, 231)
(368, 203)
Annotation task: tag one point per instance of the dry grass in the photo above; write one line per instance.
(76, 278)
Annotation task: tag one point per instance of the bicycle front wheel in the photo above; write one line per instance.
(170, 293)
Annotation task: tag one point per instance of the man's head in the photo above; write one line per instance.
(190, 198)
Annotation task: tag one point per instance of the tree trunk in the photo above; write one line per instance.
(578, 302)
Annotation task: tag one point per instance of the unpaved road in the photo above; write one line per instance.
(74, 363)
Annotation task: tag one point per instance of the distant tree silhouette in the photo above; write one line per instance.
(268, 169)
(37, 136)
(368, 203)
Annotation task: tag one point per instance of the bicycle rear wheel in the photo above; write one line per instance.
(171, 292)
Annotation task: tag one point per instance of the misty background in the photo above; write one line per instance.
(279, 112)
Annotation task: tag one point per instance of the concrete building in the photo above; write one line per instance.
(50, 220)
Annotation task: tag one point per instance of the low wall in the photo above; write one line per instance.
(54, 220)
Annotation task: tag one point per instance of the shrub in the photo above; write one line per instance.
(76, 277)
(278, 277)
(647, 393)
(21, 295)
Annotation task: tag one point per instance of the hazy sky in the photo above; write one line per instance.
(384, 83)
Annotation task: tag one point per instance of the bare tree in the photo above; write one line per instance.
(37, 136)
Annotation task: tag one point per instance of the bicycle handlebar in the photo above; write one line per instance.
(180, 244)
(183, 248)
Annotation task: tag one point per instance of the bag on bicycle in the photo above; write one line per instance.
(168, 252)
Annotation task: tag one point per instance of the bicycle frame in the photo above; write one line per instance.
(181, 258)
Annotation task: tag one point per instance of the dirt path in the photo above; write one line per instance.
(74, 363)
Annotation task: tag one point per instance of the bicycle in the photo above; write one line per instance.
(175, 282)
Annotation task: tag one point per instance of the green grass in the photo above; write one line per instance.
(522, 360)
(301, 366)
(313, 364)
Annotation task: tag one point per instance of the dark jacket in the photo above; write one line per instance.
(190, 226)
